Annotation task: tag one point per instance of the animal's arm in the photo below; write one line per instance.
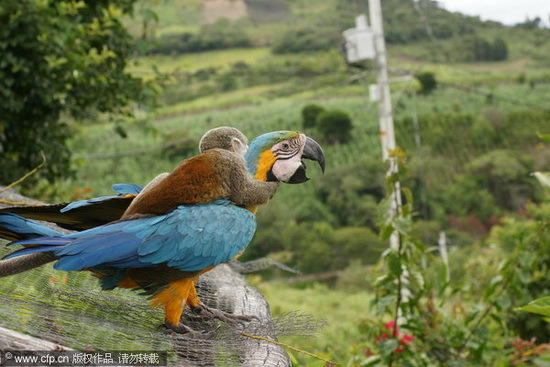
(244, 189)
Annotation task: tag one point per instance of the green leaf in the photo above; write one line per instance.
(408, 194)
(385, 232)
(387, 346)
(495, 281)
(403, 225)
(394, 263)
(418, 280)
(150, 15)
(539, 306)
(382, 280)
(384, 303)
(544, 137)
(370, 361)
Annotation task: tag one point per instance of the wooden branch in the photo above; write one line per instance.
(315, 277)
(10, 339)
(235, 295)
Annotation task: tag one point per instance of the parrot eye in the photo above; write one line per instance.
(285, 146)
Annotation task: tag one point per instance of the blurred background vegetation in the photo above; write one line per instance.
(120, 90)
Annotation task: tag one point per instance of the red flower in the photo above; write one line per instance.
(403, 340)
(406, 339)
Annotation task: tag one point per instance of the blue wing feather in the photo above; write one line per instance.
(124, 189)
(120, 189)
(190, 238)
(81, 203)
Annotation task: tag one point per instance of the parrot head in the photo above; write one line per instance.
(277, 156)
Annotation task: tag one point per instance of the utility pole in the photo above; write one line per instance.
(387, 132)
(367, 43)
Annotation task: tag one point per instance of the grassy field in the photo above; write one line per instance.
(192, 62)
(342, 310)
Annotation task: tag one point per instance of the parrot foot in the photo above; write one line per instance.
(187, 331)
(203, 311)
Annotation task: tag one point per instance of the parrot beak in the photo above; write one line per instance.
(313, 151)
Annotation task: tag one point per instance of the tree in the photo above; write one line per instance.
(59, 57)
(335, 126)
(499, 49)
(427, 82)
(309, 114)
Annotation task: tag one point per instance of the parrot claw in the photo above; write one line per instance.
(203, 311)
(186, 330)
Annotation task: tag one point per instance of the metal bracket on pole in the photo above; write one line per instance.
(359, 41)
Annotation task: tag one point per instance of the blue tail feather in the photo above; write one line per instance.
(25, 227)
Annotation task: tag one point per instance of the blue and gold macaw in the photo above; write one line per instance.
(167, 241)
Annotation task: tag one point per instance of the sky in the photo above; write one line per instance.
(505, 11)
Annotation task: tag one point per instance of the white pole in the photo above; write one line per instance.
(442, 242)
(387, 132)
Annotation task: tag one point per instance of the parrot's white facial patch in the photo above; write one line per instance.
(288, 154)
(283, 170)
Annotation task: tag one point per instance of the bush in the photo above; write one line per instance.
(351, 192)
(427, 82)
(527, 244)
(335, 126)
(472, 48)
(220, 35)
(506, 174)
(304, 40)
(309, 115)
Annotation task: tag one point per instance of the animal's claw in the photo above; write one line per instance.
(186, 330)
(203, 311)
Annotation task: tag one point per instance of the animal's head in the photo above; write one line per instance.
(277, 156)
(224, 137)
